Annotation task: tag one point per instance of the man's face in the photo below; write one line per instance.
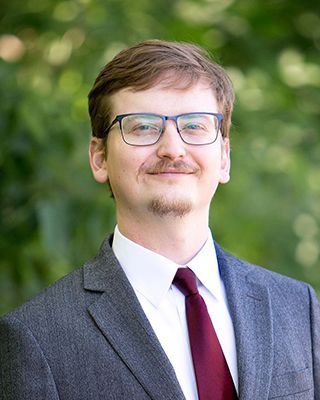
(169, 177)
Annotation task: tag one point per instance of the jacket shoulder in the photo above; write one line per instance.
(248, 272)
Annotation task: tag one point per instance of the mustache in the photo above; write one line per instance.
(177, 166)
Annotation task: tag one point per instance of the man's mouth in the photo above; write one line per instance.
(171, 172)
(171, 168)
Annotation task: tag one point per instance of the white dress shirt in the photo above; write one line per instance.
(151, 276)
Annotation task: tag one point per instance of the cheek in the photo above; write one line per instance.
(210, 162)
(212, 173)
(123, 166)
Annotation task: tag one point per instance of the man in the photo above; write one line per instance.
(162, 312)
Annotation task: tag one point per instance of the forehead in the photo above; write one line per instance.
(164, 99)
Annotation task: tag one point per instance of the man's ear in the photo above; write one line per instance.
(97, 159)
(225, 161)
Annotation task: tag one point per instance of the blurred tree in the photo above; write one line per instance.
(53, 215)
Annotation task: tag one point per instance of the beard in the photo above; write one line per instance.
(163, 207)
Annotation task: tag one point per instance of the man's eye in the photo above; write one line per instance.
(144, 127)
(192, 126)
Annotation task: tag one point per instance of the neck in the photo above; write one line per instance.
(176, 238)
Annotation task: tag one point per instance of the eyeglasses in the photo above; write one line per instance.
(145, 129)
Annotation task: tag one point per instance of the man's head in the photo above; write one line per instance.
(156, 111)
(151, 62)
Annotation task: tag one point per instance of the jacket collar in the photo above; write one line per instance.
(250, 310)
(121, 320)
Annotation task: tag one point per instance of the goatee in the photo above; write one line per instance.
(163, 207)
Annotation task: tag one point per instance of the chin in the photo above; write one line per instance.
(163, 206)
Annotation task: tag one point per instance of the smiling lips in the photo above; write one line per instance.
(171, 172)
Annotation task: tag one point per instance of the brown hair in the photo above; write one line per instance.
(151, 62)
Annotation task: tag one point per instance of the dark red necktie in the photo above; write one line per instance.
(214, 381)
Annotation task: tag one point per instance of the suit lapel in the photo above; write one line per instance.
(122, 321)
(250, 310)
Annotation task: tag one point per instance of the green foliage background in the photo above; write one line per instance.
(54, 216)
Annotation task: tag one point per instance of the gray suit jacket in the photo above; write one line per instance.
(86, 337)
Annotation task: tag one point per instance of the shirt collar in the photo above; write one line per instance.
(205, 265)
(151, 274)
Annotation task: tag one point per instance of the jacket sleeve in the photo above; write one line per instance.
(24, 371)
(315, 326)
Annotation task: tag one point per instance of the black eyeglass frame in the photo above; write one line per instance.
(164, 118)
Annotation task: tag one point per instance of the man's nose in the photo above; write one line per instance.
(170, 144)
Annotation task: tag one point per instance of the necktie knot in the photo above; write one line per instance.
(185, 280)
